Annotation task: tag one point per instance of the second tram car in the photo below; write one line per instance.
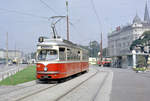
(58, 58)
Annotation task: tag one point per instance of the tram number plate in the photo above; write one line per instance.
(45, 76)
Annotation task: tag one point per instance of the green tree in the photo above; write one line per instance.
(141, 61)
(143, 40)
(135, 43)
(94, 48)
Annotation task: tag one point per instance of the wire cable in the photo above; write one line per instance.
(48, 7)
(94, 9)
(23, 13)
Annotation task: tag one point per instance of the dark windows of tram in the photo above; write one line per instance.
(68, 54)
(85, 56)
(62, 54)
(78, 55)
(61, 49)
(73, 54)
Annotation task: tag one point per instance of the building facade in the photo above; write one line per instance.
(119, 41)
(2, 53)
(11, 54)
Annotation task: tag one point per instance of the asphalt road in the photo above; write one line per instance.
(4, 68)
(130, 86)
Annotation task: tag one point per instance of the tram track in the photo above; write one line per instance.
(58, 98)
(71, 90)
(34, 93)
(100, 87)
(17, 89)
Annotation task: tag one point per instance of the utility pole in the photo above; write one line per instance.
(7, 49)
(15, 50)
(101, 49)
(67, 21)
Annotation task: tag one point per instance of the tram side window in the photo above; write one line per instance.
(68, 54)
(74, 54)
(62, 55)
(79, 55)
(85, 56)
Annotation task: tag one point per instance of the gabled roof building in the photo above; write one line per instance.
(146, 15)
(119, 40)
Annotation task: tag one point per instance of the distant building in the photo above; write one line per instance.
(119, 41)
(92, 60)
(11, 54)
(14, 53)
(2, 53)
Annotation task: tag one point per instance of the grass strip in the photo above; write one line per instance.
(26, 75)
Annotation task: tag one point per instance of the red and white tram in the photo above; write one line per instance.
(58, 58)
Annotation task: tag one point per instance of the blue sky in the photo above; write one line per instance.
(24, 30)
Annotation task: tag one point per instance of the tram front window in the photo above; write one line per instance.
(47, 55)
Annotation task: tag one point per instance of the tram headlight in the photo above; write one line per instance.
(45, 69)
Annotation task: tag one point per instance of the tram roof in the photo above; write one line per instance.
(58, 42)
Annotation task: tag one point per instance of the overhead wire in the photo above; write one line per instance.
(30, 14)
(95, 11)
(99, 21)
(74, 27)
(23, 13)
(51, 9)
(48, 7)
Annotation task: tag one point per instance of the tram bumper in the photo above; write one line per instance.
(47, 75)
(52, 72)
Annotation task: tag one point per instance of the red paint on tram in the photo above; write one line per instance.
(61, 70)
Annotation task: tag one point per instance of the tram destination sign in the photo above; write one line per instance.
(46, 47)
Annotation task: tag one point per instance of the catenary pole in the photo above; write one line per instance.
(101, 49)
(67, 21)
(7, 49)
